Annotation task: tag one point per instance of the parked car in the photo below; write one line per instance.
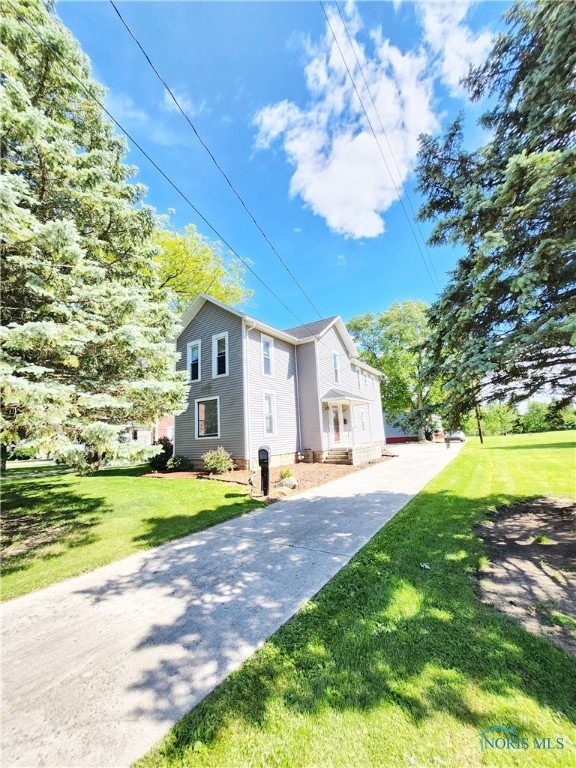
(456, 437)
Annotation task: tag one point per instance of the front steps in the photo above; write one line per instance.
(338, 456)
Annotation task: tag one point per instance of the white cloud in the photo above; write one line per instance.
(341, 260)
(189, 107)
(134, 119)
(454, 44)
(339, 171)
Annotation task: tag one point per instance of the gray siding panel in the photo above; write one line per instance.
(309, 397)
(366, 387)
(282, 383)
(209, 321)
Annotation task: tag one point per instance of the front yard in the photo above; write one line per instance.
(59, 526)
(393, 664)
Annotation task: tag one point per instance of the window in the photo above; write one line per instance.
(220, 355)
(267, 355)
(269, 413)
(358, 378)
(362, 421)
(208, 417)
(193, 364)
(336, 366)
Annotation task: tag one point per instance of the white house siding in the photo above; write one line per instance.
(282, 384)
(209, 321)
(309, 397)
(326, 346)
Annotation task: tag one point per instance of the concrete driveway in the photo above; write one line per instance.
(97, 669)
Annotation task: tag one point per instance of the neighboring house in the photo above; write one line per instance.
(303, 393)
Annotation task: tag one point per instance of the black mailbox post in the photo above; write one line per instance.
(264, 462)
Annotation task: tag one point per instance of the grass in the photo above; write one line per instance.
(15, 468)
(63, 525)
(394, 665)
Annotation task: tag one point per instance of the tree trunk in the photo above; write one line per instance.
(479, 423)
(3, 457)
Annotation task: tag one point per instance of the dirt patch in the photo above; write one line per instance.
(307, 475)
(532, 574)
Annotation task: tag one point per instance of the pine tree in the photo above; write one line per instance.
(505, 324)
(86, 328)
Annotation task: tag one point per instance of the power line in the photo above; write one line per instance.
(212, 157)
(402, 186)
(379, 146)
(153, 162)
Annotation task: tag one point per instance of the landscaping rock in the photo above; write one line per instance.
(288, 482)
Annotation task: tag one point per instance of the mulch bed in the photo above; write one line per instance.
(308, 476)
(532, 575)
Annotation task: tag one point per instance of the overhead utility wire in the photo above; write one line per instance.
(157, 167)
(402, 186)
(153, 162)
(216, 163)
(378, 144)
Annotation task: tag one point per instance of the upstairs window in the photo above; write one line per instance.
(358, 378)
(336, 367)
(267, 356)
(220, 355)
(193, 365)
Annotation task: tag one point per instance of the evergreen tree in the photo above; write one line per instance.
(505, 324)
(86, 327)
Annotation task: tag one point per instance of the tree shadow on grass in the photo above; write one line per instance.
(386, 630)
(530, 446)
(163, 529)
(43, 518)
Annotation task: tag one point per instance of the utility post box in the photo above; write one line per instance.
(264, 462)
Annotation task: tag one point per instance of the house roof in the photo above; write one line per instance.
(342, 396)
(299, 334)
(316, 328)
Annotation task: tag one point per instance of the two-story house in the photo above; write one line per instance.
(303, 392)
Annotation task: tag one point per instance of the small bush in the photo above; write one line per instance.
(286, 472)
(159, 462)
(23, 452)
(179, 464)
(217, 462)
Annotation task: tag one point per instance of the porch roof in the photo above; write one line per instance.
(342, 396)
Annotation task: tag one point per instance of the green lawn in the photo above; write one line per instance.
(394, 665)
(63, 525)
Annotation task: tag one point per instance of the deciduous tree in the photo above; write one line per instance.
(394, 341)
(188, 264)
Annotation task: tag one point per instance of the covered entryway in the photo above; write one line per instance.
(338, 406)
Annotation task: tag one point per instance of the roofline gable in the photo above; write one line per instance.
(270, 330)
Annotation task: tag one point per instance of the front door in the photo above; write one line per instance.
(335, 422)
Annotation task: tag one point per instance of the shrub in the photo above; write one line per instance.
(23, 452)
(286, 472)
(217, 462)
(179, 464)
(159, 462)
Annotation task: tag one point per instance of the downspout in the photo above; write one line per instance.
(299, 426)
(247, 436)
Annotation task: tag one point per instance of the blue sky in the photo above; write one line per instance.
(265, 86)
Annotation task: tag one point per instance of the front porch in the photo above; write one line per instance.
(347, 431)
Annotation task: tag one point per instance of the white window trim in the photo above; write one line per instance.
(274, 432)
(215, 337)
(358, 378)
(336, 367)
(264, 338)
(203, 400)
(198, 343)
